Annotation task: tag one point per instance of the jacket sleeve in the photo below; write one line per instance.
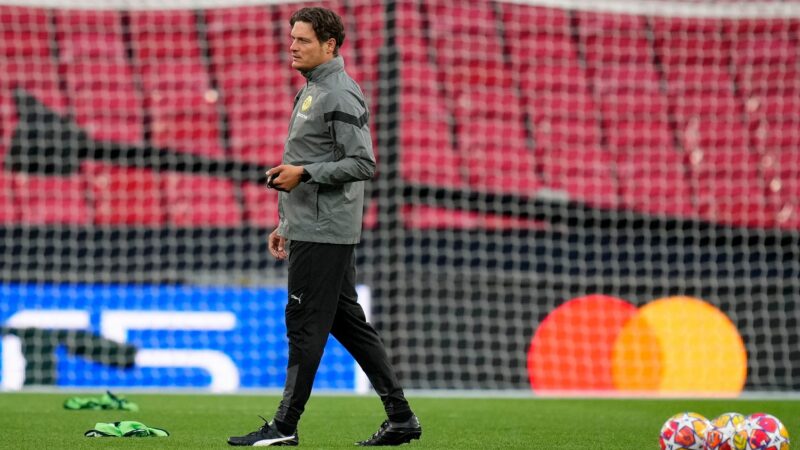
(346, 117)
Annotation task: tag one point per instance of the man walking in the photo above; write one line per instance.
(327, 156)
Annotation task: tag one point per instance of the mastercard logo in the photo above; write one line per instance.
(674, 345)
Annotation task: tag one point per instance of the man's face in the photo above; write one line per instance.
(307, 51)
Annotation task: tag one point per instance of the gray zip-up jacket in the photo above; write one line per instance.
(329, 136)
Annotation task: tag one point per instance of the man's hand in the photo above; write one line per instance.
(287, 177)
(277, 245)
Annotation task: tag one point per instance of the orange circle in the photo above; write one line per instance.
(636, 357)
(680, 344)
(571, 349)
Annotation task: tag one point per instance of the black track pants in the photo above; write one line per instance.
(322, 300)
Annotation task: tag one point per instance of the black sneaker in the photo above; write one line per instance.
(393, 433)
(265, 436)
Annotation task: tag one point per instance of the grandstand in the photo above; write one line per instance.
(530, 152)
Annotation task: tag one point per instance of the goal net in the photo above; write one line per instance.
(572, 196)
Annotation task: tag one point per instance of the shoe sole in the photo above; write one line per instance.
(279, 442)
(400, 438)
(410, 437)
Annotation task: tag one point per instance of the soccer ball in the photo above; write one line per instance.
(726, 433)
(684, 431)
(765, 432)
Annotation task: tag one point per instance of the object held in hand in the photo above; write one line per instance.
(271, 182)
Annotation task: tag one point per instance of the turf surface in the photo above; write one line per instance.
(38, 421)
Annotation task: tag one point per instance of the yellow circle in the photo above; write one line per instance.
(307, 103)
(680, 345)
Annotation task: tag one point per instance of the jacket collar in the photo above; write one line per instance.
(323, 70)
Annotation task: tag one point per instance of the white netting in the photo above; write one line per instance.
(529, 153)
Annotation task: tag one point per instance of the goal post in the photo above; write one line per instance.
(585, 197)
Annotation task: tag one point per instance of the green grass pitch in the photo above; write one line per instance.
(38, 421)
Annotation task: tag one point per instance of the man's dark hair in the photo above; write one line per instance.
(326, 24)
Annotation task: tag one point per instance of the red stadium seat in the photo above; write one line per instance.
(492, 140)
(256, 138)
(201, 201)
(741, 202)
(707, 113)
(573, 162)
(580, 183)
(783, 80)
(556, 91)
(765, 57)
(16, 72)
(412, 47)
(487, 102)
(698, 80)
(712, 135)
(45, 200)
(682, 41)
(741, 162)
(639, 137)
(718, 106)
(366, 37)
(426, 154)
(655, 182)
(784, 183)
(260, 205)
(44, 86)
(412, 43)
(257, 100)
(284, 10)
(613, 39)
(467, 36)
(630, 92)
(80, 31)
(526, 20)
(496, 157)
(25, 49)
(419, 78)
(614, 48)
(554, 77)
(749, 50)
(730, 188)
(780, 136)
(542, 50)
(105, 100)
(561, 104)
(165, 35)
(572, 135)
(243, 34)
(8, 207)
(649, 172)
(257, 84)
(8, 122)
(24, 33)
(176, 85)
(125, 196)
(183, 107)
(760, 26)
(599, 23)
(371, 215)
(617, 78)
(634, 106)
(788, 216)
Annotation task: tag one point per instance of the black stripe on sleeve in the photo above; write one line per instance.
(347, 118)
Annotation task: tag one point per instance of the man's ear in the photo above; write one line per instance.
(331, 44)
